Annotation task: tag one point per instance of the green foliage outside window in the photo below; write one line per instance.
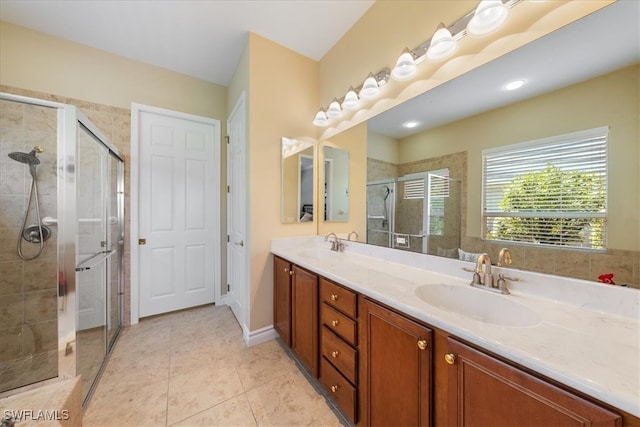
(552, 190)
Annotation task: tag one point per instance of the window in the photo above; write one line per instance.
(548, 192)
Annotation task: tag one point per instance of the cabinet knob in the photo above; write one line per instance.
(290, 272)
(286, 269)
(334, 297)
(422, 344)
(334, 388)
(334, 354)
(450, 358)
(335, 322)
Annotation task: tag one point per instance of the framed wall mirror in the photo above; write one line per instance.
(335, 184)
(297, 174)
(594, 82)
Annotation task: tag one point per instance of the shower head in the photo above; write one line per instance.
(386, 191)
(27, 158)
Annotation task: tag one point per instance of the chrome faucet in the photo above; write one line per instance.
(504, 258)
(336, 245)
(353, 232)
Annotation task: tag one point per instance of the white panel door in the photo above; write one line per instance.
(237, 278)
(176, 202)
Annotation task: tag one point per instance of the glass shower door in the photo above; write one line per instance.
(93, 254)
(115, 243)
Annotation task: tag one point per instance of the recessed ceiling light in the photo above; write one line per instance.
(516, 84)
(410, 124)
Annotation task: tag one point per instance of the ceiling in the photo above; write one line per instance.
(201, 38)
(606, 40)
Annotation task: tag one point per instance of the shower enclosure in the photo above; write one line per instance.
(417, 212)
(61, 245)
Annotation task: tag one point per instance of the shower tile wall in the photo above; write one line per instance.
(115, 124)
(28, 304)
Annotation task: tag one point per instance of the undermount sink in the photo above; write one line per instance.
(318, 253)
(478, 304)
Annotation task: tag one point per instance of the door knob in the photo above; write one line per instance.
(240, 243)
(142, 242)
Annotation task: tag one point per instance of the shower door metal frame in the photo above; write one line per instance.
(68, 117)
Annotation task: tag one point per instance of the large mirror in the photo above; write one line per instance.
(298, 160)
(335, 184)
(583, 76)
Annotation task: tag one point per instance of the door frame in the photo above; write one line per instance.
(136, 110)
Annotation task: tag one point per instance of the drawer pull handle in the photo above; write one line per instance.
(422, 344)
(334, 388)
(450, 358)
(335, 322)
(334, 297)
(334, 354)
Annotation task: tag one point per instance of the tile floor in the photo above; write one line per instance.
(192, 368)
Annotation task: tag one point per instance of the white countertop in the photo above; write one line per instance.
(587, 337)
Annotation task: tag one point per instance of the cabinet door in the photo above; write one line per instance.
(484, 391)
(282, 298)
(395, 379)
(304, 318)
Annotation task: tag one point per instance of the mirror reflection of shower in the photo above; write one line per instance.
(35, 233)
(380, 212)
(417, 212)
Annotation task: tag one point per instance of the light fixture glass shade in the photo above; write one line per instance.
(488, 17)
(370, 88)
(321, 119)
(351, 100)
(406, 66)
(442, 44)
(334, 111)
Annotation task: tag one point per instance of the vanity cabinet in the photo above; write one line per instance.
(338, 341)
(304, 317)
(483, 390)
(282, 274)
(395, 368)
(381, 367)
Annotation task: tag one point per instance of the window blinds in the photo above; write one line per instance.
(550, 191)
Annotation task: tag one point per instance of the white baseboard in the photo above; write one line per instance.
(259, 336)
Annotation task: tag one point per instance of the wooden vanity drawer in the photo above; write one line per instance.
(340, 390)
(341, 298)
(339, 323)
(339, 353)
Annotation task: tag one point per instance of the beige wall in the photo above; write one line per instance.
(611, 100)
(39, 62)
(282, 97)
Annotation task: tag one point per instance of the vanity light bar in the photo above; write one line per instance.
(458, 30)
